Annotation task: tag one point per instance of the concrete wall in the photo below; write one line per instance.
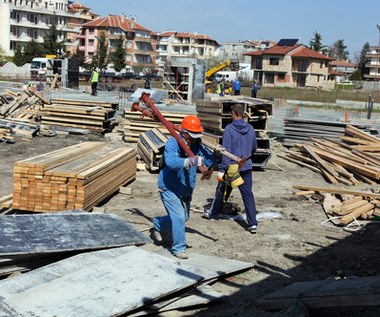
(10, 70)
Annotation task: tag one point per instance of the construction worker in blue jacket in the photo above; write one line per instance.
(236, 87)
(239, 138)
(176, 183)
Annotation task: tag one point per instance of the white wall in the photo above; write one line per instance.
(11, 70)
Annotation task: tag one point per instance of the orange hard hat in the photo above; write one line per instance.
(192, 124)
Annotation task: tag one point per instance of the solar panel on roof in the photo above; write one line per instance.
(287, 42)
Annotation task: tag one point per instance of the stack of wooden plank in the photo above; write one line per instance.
(345, 205)
(349, 162)
(77, 177)
(135, 124)
(20, 127)
(150, 147)
(301, 130)
(96, 116)
(216, 114)
(24, 105)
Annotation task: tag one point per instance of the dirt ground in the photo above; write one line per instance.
(294, 248)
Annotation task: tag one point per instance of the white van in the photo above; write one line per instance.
(41, 65)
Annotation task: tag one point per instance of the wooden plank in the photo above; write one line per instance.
(337, 191)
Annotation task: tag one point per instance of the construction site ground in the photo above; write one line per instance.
(293, 248)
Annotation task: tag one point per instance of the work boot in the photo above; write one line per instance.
(181, 255)
(157, 235)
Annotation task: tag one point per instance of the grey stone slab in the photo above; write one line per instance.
(96, 284)
(62, 232)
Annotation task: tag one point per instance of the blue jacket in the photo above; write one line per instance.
(239, 138)
(236, 85)
(173, 176)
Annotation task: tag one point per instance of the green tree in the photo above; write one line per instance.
(100, 58)
(79, 55)
(316, 42)
(32, 49)
(118, 57)
(18, 56)
(339, 50)
(3, 54)
(52, 45)
(362, 60)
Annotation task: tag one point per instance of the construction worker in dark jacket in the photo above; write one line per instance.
(239, 138)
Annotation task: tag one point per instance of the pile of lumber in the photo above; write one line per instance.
(76, 177)
(345, 205)
(216, 114)
(135, 124)
(98, 116)
(353, 160)
(24, 105)
(150, 147)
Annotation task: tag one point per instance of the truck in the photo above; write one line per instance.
(41, 67)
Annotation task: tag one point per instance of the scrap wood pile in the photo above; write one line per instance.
(98, 116)
(345, 205)
(24, 105)
(76, 177)
(351, 161)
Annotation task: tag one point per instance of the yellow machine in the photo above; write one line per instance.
(233, 64)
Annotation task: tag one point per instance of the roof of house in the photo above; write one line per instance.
(296, 50)
(309, 53)
(342, 63)
(117, 21)
(186, 34)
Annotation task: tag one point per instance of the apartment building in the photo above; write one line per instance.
(81, 15)
(140, 42)
(341, 70)
(181, 44)
(373, 64)
(24, 20)
(236, 50)
(289, 64)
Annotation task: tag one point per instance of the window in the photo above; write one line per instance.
(274, 61)
(281, 76)
(321, 64)
(91, 42)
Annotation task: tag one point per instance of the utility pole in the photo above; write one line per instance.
(378, 27)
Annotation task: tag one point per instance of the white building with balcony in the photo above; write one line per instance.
(24, 20)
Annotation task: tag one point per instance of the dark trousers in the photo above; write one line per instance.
(254, 94)
(94, 88)
(224, 191)
(236, 92)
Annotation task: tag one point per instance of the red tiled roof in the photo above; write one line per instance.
(78, 6)
(280, 50)
(166, 33)
(309, 53)
(116, 21)
(186, 34)
(342, 63)
(254, 53)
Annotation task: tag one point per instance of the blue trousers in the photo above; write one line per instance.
(178, 213)
(223, 191)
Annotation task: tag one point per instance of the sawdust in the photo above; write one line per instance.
(291, 249)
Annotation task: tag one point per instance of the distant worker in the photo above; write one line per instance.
(94, 81)
(148, 83)
(176, 183)
(221, 88)
(236, 87)
(255, 89)
(239, 138)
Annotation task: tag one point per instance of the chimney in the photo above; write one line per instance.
(133, 21)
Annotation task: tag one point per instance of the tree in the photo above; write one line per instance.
(80, 57)
(316, 43)
(32, 49)
(18, 56)
(51, 43)
(339, 50)
(100, 58)
(3, 54)
(362, 60)
(118, 57)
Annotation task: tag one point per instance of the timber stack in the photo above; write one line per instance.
(98, 116)
(216, 114)
(76, 177)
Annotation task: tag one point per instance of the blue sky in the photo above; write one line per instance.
(237, 20)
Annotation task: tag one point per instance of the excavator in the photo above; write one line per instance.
(233, 64)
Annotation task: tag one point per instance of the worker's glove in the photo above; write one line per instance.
(193, 161)
(220, 176)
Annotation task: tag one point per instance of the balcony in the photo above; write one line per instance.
(369, 65)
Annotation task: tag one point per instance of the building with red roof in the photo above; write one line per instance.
(290, 64)
(140, 42)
